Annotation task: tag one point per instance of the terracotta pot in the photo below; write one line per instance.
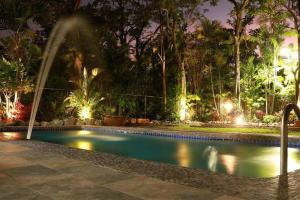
(143, 121)
(139, 121)
(297, 123)
(114, 121)
(132, 121)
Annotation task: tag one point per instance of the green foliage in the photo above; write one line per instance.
(13, 76)
(84, 100)
(78, 100)
(270, 119)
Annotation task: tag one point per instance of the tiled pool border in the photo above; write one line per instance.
(260, 139)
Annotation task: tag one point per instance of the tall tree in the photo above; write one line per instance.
(240, 17)
(273, 25)
(292, 8)
(216, 56)
(182, 14)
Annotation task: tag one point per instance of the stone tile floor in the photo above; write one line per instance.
(26, 173)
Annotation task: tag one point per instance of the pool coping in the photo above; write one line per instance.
(261, 139)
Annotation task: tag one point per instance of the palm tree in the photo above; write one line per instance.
(84, 99)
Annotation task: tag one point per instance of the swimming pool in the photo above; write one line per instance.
(232, 158)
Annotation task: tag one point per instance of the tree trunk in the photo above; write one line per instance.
(163, 62)
(213, 91)
(181, 66)
(183, 80)
(237, 71)
(239, 9)
(275, 63)
(266, 96)
(7, 110)
(298, 76)
(183, 92)
(220, 92)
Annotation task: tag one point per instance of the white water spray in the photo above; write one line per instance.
(57, 36)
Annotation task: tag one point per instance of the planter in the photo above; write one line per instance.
(114, 121)
(297, 123)
(140, 121)
(143, 121)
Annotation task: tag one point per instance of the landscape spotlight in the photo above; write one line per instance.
(240, 120)
(228, 106)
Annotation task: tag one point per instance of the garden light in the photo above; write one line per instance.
(240, 120)
(95, 71)
(228, 106)
(85, 113)
(289, 54)
(285, 52)
(182, 111)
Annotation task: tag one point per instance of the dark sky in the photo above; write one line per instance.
(219, 12)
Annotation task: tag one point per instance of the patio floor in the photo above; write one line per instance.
(26, 173)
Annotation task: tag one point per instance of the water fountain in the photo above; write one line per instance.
(57, 37)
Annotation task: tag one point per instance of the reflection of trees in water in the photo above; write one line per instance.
(212, 158)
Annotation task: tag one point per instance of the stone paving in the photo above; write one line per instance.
(27, 172)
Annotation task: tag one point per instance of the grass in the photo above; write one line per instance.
(275, 131)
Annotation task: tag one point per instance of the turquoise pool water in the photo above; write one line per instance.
(216, 156)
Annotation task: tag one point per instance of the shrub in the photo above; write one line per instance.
(270, 119)
(259, 114)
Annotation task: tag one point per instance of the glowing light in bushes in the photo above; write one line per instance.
(228, 106)
(183, 108)
(95, 71)
(240, 120)
(85, 113)
(289, 54)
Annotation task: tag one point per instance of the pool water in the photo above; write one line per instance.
(231, 158)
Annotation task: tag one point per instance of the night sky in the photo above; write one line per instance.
(219, 12)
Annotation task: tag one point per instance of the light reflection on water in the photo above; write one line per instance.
(85, 145)
(229, 161)
(212, 154)
(183, 155)
(271, 157)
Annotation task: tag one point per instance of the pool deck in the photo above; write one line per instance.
(40, 170)
(28, 173)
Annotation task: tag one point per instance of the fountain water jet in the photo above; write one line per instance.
(57, 36)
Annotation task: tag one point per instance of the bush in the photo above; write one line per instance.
(259, 115)
(270, 119)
